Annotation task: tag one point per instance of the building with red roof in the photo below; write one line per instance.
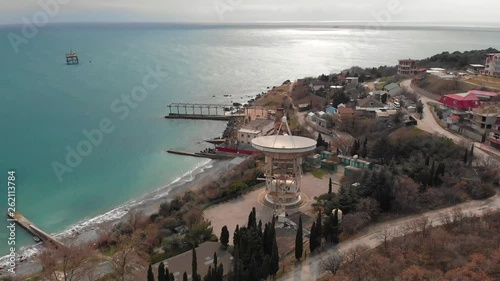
(460, 103)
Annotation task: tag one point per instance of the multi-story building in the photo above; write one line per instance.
(485, 117)
(458, 104)
(407, 67)
(492, 65)
(494, 137)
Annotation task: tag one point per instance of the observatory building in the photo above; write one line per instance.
(284, 155)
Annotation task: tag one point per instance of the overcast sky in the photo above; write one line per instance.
(458, 12)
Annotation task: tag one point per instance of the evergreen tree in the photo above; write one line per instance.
(252, 219)
(465, 156)
(236, 236)
(330, 186)
(312, 238)
(224, 236)
(439, 172)
(184, 276)
(151, 276)
(161, 272)
(431, 175)
(355, 148)
(194, 264)
(275, 258)
(471, 151)
(172, 277)
(236, 265)
(319, 140)
(364, 149)
(319, 229)
(167, 275)
(299, 240)
(427, 159)
(336, 228)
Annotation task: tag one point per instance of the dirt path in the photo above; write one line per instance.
(310, 269)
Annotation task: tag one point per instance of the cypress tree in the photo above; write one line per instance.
(335, 223)
(312, 238)
(184, 276)
(471, 150)
(168, 275)
(172, 277)
(465, 156)
(319, 229)
(236, 265)
(161, 272)
(151, 276)
(319, 140)
(236, 236)
(330, 186)
(275, 258)
(224, 236)
(431, 175)
(194, 264)
(299, 241)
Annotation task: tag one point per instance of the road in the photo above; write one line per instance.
(429, 124)
(310, 269)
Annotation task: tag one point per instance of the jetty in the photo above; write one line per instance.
(217, 112)
(200, 154)
(35, 231)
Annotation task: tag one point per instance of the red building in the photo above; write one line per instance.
(460, 103)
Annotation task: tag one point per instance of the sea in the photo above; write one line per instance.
(85, 141)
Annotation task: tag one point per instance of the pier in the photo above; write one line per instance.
(201, 155)
(215, 112)
(35, 231)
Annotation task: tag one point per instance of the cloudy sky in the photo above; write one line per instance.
(456, 12)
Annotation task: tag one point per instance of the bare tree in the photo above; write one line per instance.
(333, 262)
(385, 235)
(67, 263)
(128, 253)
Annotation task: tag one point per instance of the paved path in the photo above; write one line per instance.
(429, 124)
(310, 269)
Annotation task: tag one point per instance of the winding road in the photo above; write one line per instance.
(310, 269)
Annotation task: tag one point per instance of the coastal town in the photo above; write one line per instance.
(320, 172)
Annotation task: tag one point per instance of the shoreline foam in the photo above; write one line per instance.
(86, 229)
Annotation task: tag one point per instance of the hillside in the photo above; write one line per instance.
(464, 248)
(456, 60)
(439, 86)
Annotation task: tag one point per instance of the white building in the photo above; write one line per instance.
(255, 128)
(492, 65)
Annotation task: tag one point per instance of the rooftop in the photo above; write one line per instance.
(345, 110)
(257, 124)
(484, 93)
(391, 86)
(181, 263)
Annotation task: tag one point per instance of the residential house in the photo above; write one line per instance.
(317, 85)
(321, 119)
(459, 104)
(484, 95)
(475, 69)
(407, 67)
(494, 136)
(311, 116)
(255, 128)
(331, 111)
(492, 65)
(485, 117)
(393, 89)
(345, 113)
(181, 263)
(382, 116)
(369, 104)
(352, 80)
(380, 96)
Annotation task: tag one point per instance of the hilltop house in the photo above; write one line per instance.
(407, 67)
(318, 85)
(492, 65)
(458, 104)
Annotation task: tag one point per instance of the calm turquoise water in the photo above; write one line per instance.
(45, 105)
